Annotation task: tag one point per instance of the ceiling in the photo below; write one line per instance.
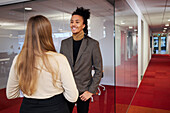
(56, 10)
(156, 12)
(6, 2)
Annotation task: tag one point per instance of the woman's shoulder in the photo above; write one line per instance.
(56, 55)
(15, 58)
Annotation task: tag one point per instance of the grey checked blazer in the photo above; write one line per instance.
(89, 56)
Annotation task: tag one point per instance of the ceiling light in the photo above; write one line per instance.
(166, 24)
(168, 19)
(122, 22)
(135, 30)
(28, 8)
(7, 24)
(165, 28)
(130, 27)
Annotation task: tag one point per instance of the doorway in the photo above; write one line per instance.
(160, 45)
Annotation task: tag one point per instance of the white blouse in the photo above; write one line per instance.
(45, 89)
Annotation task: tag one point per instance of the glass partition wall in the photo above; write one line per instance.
(13, 21)
(120, 63)
(126, 55)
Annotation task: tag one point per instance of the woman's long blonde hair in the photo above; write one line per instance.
(38, 40)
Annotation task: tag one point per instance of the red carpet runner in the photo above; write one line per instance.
(153, 95)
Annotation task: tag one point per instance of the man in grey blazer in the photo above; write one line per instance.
(83, 54)
(88, 56)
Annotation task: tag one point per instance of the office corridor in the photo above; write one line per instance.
(153, 95)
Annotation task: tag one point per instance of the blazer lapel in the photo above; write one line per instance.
(82, 48)
(70, 47)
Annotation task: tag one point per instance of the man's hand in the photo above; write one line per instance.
(85, 96)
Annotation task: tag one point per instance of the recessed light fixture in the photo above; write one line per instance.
(122, 22)
(130, 27)
(166, 24)
(168, 19)
(28, 8)
(165, 28)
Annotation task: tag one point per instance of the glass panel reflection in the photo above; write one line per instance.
(126, 36)
(11, 28)
(101, 27)
(13, 20)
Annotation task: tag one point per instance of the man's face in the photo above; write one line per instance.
(76, 24)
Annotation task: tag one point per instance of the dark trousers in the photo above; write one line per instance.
(55, 104)
(82, 106)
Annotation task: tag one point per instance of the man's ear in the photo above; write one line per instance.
(84, 26)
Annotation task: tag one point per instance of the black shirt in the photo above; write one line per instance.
(76, 47)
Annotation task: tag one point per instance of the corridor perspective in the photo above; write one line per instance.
(153, 93)
(134, 39)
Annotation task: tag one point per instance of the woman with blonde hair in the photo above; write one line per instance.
(43, 75)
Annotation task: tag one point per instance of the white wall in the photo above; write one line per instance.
(168, 44)
(146, 44)
(117, 45)
(145, 39)
(97, 27)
